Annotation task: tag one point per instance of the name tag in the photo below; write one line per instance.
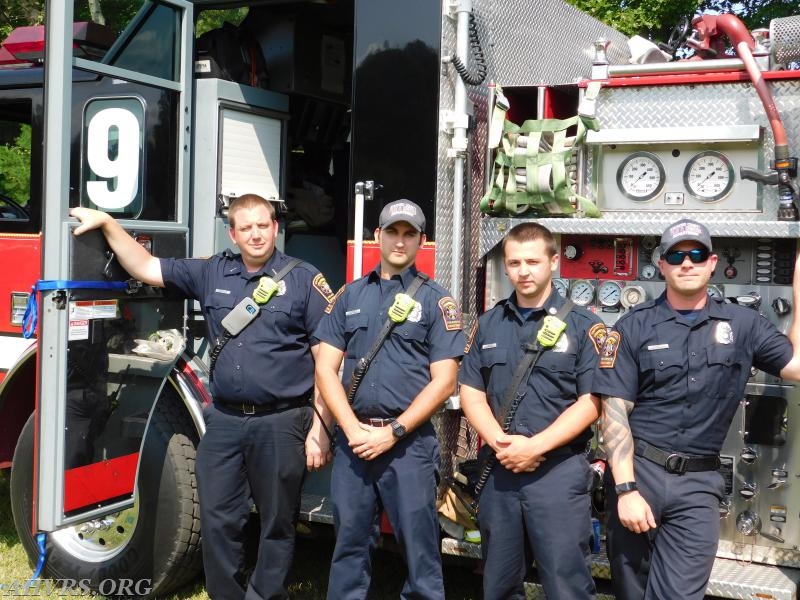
(219, 291)
(658, 347)
(350, 313)
(487, 346)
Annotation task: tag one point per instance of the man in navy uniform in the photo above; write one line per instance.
(387, 454)
(539, 492)
(671, 376)
(261, 430)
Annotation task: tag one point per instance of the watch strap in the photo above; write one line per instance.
(627, 486)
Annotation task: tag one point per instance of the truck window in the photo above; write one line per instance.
(15, 168)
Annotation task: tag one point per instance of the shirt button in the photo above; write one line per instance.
(238, 367)
(694, 353)
(239, 344)
(661, 363)
(692, 379)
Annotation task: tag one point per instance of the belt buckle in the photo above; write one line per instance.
(676, 463)
(251, 407)
(375, 422)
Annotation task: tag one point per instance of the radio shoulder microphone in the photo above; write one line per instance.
(241, 316)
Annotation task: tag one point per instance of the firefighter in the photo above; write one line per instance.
(539, 493)
(386, 454)
(261, 429)
(671, 376)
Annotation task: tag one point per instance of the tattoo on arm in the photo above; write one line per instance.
(616, 431)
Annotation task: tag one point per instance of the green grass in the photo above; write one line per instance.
(308, 577)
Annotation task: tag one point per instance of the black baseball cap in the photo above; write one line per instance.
(685, 230)
(402, 210)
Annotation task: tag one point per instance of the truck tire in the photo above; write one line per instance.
(155, 544)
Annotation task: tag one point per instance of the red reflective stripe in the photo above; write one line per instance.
(91, 484)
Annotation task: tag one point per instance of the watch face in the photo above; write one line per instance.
(398, 429)
(640, 176)
(709, 176)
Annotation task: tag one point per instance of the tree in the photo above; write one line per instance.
(655, 19)
(15, 167)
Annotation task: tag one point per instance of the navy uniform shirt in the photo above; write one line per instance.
(687, 378)
(561, 374)
(432, 332)
(270, 360)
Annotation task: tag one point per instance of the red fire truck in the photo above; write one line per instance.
(356, 103)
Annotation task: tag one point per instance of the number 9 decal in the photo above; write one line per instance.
(114, 154)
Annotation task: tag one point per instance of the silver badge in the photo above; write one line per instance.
(723, 333)
(416, 313)
(562, 344)
(281, 287)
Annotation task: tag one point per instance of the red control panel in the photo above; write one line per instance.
(598, 257)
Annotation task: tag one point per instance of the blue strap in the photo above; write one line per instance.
(31, 316)
(41, 538)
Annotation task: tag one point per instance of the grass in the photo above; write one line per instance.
(308, 577)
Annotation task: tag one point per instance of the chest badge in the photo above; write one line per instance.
(723, 334)
(562, 344)
(416, 313)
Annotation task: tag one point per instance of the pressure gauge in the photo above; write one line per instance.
(709, 176)
(582, 292)
(655, 256)
(649, 271)
(633, 295)
(609, 293)
(572, 252)
(715, 291)
(640, 176)
(561, 287)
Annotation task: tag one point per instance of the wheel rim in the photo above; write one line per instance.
(98, 540)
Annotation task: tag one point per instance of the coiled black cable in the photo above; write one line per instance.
(477, 54)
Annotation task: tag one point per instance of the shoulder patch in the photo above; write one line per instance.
(597, 333)
(471, 336)
(321, 285)
(333, 300)
(450, 314)
(608, 356)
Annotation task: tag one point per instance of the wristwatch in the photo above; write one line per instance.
(628, 486)
(398, 429)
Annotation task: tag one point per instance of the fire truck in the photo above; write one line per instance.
(331, 109)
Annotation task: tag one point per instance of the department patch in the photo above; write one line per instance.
(723, 333)
(610, 348)
(332, 303)
(471, 336)
(597, 333)
(321, 285)
(450, 313)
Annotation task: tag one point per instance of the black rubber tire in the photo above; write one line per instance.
(165, 544)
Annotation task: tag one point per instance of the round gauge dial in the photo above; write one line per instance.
(649, 271)
(561, 287)
(633, 295)
(655, 256)
(582, 292)
(571, 252)
(709, 176)
(640, 176)
(609, 293)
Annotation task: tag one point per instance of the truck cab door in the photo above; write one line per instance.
(116, 139)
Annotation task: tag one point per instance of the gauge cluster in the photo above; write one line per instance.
(612, 274)
(674, 176)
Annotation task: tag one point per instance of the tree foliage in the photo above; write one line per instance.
(15, 167)
(655, 19)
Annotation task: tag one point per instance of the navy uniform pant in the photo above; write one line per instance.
(403, 483)
(239, 457)
(548, 509)
(675, 559)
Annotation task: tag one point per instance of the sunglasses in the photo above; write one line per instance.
(696, 255)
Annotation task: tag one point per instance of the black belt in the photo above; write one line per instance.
(246, 408)
(675, 462)
(376, 421)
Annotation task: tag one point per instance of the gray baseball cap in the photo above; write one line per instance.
(685, 230)
(402, 210)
